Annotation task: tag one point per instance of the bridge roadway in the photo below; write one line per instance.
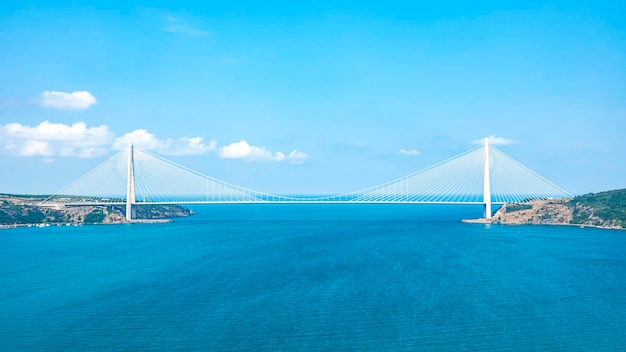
(304, 201)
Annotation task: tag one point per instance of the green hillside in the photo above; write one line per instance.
(609, 206)
(23, 209)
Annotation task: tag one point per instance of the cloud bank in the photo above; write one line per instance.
(78, 100)
(54, 139)
(243, 150)
(49, 140)
(168, 146)
(493, 140)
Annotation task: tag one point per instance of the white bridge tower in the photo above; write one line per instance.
(487, 181)
(130, 183)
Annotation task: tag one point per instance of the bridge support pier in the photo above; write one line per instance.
(130, 183)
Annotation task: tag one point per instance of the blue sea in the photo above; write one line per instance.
(313, 278)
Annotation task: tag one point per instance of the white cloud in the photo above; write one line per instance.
(77, 100)
(493, 140)
(87, 153)
(243, 150)
(297, 157)
(169, 146)
(180, 26)
(35, 148)
(54, 139)
(410, 152)
(49, 140)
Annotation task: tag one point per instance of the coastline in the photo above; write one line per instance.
(603, 210)
(41, 225)
(490, 222)
(26, 211)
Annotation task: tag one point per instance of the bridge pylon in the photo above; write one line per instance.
(130, 183)
(487, 181)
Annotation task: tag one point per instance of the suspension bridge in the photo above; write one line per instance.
(482, 175)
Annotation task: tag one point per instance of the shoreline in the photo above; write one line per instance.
(20, 211)
(67, 224)
(489, 222)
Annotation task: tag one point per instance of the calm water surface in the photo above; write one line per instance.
(313, 278)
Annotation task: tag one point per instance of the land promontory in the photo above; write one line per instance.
(16, 210)
(604, 209)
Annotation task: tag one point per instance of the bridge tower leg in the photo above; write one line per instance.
(487, 182)
(130, 183)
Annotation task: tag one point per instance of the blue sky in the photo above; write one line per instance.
(320, 97)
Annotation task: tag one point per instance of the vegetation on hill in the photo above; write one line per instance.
(96, 216)
(518, 206)
(23, 209)
(11, 213)
(609, 206)
(604, 209)
(156, 211)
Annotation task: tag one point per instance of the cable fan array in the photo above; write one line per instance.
(458, 180)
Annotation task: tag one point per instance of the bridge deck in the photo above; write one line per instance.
(268, 202)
